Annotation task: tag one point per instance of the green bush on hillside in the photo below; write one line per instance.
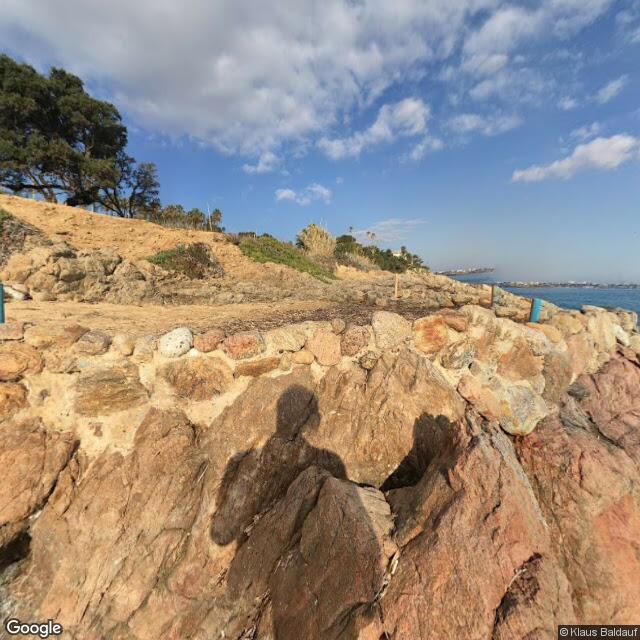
(194, 261)
(347, 247)
(266, 248)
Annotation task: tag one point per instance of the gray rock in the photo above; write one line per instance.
(390, 329)
(175, 343)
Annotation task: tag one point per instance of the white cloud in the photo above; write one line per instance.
(587, 132)
(568, 104)
(510, 26)
(611, 89)
(243, 76)
(391, 230)
(523, 85)
(466, 123)
(604, 154)
(267, 162)
(314, 192)
(406, 118)
(426, 145)
(251, 77)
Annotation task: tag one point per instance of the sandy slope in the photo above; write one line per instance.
(132, 239)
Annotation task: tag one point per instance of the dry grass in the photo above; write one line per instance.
(317, 241)
(358, 261)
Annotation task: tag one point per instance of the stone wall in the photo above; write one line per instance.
(99, 385)
(322, 480)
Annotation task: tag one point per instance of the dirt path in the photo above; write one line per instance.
(153, 319)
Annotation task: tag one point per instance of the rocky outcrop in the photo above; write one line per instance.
(59, 272)
(464, 476)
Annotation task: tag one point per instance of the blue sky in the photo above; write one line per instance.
(475, 132)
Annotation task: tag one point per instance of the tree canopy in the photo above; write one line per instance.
(57, 140)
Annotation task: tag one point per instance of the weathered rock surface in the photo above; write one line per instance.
(325, 346)
(431, 334)
(17, 360)
(12, 397)
(246, 344)
(31, 460)
(59, 272)
(11, 331)
(486, 488)
(390, 329)
(209, 340)
(354, 339)
(198, 378)
(108, 389)
(257, 367)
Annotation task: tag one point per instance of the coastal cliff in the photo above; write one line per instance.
(460, 475)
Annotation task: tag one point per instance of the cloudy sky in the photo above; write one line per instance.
(492, 132)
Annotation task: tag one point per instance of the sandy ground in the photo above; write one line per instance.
(155, 319)
(152, 319)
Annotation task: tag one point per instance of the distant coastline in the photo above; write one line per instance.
(465, 272)
(567, 285)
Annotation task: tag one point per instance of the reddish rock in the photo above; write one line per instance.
(472, 482)
(18, 359)
(325, 346)
(257, 367)
(587, 488)
(430, 334)
(208, 341)
(246, 344)
(519, 363)
(457, 322)
(198, 378)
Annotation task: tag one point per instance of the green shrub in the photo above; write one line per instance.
(268, 249)
(4, 215)
(194, 261)
(385, 259)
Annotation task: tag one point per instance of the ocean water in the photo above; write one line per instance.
(571, 297)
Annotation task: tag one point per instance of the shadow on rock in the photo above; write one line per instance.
(255, 479)
(434, 438)
(313, 546)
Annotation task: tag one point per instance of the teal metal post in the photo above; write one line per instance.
(1, 303)
(536, 307)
